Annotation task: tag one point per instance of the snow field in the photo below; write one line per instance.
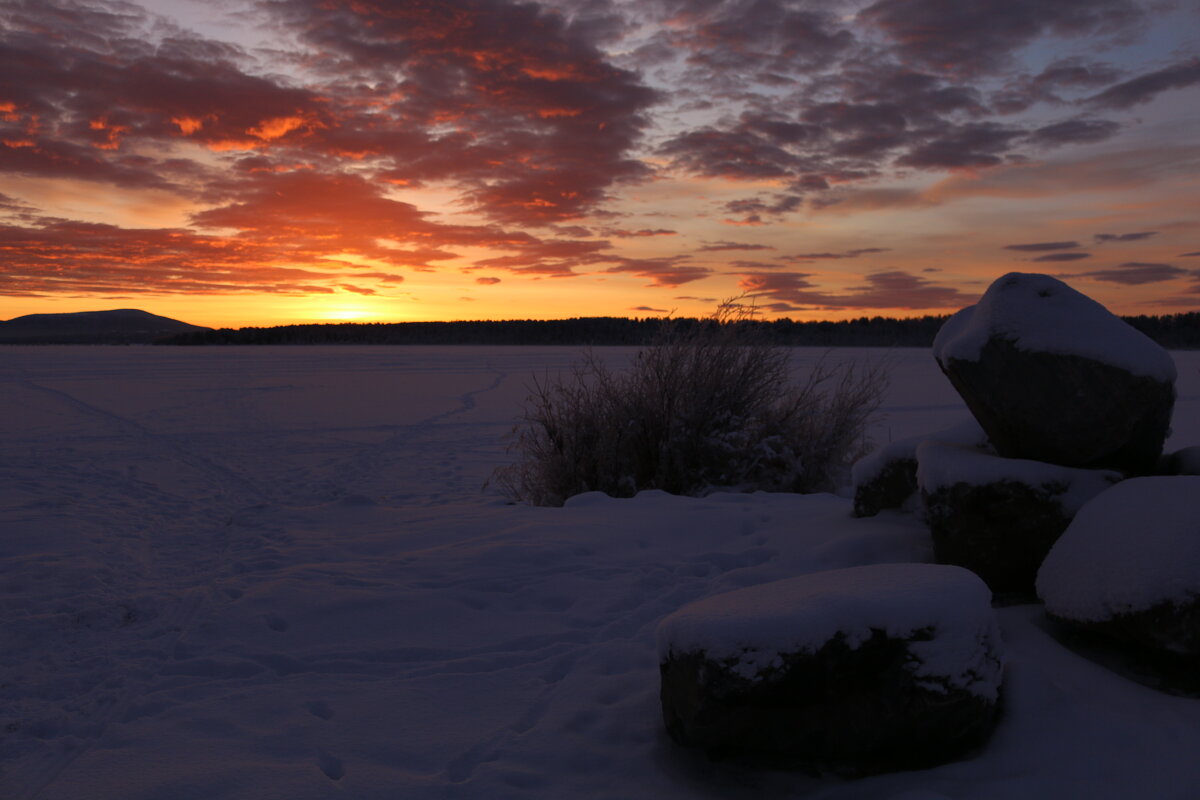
(272, 573)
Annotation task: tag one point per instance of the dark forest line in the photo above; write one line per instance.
(1173, 331)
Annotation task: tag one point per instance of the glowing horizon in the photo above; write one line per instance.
(264, 163)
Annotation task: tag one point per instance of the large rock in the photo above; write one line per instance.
(887, 478)
(1052, 376)
(855, 671)
(999, 517)
(1129, 566)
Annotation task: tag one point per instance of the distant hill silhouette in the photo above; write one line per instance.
(121, 326)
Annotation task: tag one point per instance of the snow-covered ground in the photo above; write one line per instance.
(274, 573)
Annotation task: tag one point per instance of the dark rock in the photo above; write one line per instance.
(1052, 376)
(999, 517)
(852, 711)
(1064, 409)
(865, 700)
(1169, 627)
(890, 486)
(887, 478)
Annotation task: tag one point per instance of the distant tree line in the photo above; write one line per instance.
(1173, 331)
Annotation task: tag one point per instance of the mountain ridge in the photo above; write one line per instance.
(114, 326)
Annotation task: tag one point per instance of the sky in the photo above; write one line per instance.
(262, 162)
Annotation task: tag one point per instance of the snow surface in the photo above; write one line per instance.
(867, 469)
(942, 465)
(1131, 548)
(748, 628)
(1041, 314)
(248, 573)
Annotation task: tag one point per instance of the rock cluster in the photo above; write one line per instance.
(1069, 398)
(899, 666)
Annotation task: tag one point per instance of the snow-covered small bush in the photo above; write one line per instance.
(707, 405)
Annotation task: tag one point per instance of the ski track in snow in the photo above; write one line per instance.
(272, 572)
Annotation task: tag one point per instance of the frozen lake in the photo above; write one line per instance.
(275, 573)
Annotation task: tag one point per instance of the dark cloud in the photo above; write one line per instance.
(651, 310)
(1136, 273)
(749, 265)
(737, 154)
(1189, 255)
(668, 271)
(1074, 131)
(487, 281)
(621, 233)
(1145, 88)
(889, 289)
(966, 146)
(1038, 247)
(972, 38)
(756, 207)
(1106, 238)
(725, 43)
(1069, 74)
(715, 247)
(1063, 257)
(861, 251)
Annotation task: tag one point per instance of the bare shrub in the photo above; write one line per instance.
(705, 406)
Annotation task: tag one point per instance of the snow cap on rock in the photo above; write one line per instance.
(1132, 547)
(749, 628)
(1042, 314)
(941, 465)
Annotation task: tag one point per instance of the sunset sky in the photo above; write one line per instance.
(258, 162)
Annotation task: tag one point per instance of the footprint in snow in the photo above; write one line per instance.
(319, 708)
(331, 765)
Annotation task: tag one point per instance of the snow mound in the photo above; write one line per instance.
(748, 628)
(1042, 314)
(1131, 548)
(941, 465)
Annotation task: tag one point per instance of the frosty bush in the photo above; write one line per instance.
(704, 406)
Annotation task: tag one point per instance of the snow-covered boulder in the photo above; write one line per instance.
(859, 670)
(887, 478)
(996, 516)
(1052, 376)
(1129, 565)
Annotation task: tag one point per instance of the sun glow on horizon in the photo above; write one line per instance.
(346, 313)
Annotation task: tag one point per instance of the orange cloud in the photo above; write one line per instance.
(276, 127)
